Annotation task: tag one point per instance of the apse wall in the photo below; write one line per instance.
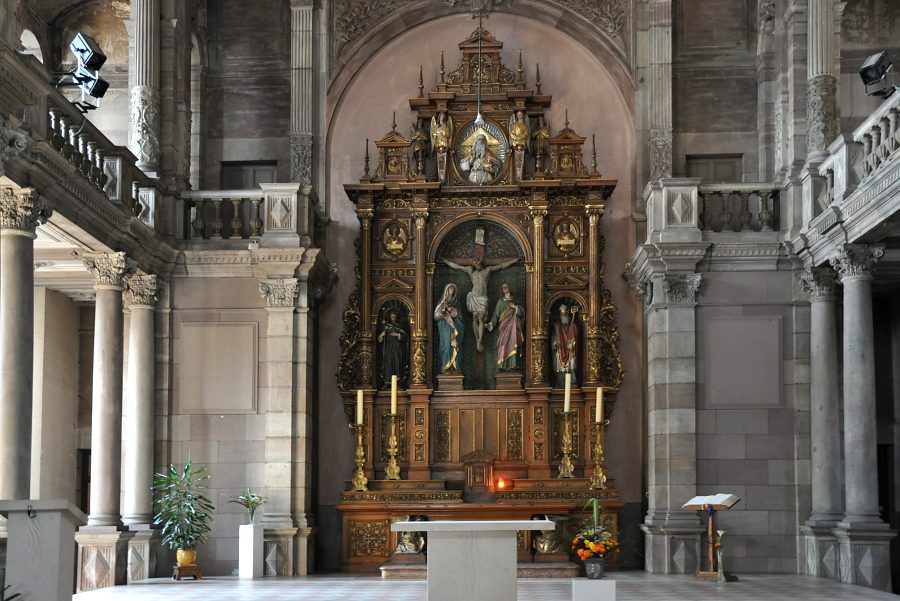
(362, 109)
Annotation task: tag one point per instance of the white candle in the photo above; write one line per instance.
(359, 407)
(393, 395)
(568, 398)
(598, 410)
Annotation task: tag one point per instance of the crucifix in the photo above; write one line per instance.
(479, 271)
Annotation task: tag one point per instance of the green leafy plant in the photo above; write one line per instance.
(182, 508)
(250, 500)
(594, 540)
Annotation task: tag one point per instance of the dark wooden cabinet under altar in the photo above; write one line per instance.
(500, 222)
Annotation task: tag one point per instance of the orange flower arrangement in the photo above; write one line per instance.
(594, 540)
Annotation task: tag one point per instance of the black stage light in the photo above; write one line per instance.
(87, 51)
(874, 71)
(90, 81)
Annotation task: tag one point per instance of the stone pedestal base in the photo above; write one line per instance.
(509, 380)
(672, 550)
(278, 551)
(250, 551)
(102, 557)
(143, 553)
(584, 589)
(820, 550)
(865, 556)
(448, 382)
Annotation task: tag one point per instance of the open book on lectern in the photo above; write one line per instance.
(718, 501)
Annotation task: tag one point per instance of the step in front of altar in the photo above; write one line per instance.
(565, 569)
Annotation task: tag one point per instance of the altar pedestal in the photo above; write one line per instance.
(584, 589)
(472, 560)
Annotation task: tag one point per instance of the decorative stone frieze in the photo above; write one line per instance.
(660, 156)
(23, 209)
(109, 269)
(856, 260)
(142, 290)
(819, 283)
(279, 293)
(145, 125)
(681, 289)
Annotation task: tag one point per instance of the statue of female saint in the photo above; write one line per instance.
(392, 337)
(450, 330)
(510, 318)
(481, 162)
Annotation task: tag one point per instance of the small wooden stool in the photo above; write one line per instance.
(188, 570)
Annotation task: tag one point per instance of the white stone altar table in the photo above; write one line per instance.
(472, 560)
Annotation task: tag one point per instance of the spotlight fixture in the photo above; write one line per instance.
(85, 75)
(874, 72)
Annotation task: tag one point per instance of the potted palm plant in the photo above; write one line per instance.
(183, 510)
(594, 542)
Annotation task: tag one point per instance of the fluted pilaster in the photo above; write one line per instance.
(660, 89)
(301, 91)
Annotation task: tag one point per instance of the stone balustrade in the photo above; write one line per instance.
(879, 135)
(111, 168)
(741, 207)
(280, 215)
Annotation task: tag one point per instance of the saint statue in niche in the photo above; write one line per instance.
(509, 318)
(565, 236)
(450, 330)
(392, 338)
(394, 240)
(564, 344)
(476, 300)
(541, 137)
(519, 133)
(481, 163)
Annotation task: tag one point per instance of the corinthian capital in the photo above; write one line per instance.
(819, 283)
(856, 260)
(681, 289)
(22, 209)
(109, 269)
(142, 290)
(279, 293)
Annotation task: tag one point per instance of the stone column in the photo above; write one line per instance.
(659, 92)
(138, 427)
(672, 534)
(102, 547)
(863, 537)
(821, 106)
(20, 212)
(302, 101)
(144, 131)
(825, 421)
(281, 298)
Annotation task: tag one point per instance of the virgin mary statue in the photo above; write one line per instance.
(450, 330)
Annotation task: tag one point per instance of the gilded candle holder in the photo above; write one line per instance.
(359, 480)
(598, 478)
(392, 469)
(566, 469)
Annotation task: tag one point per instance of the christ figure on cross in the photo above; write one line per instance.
(477, 300)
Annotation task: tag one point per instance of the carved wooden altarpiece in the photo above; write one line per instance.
(536, 204)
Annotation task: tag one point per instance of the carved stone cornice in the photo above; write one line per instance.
(681, 289)
(280, 293)
(141, 290)
(819, 283)
(855, 261)
(109, 269)
(23, 209)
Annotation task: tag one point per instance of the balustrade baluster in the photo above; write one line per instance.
(726, 215)
(701, 209)
(64, 134)
(745, 216)
(55, 140)
(217, 219)
(867, 154)
(100, 164)
(90, 161)
(256, 221)
(237, 224)
(894, 116)
(876, 147)
(198, 223)
(136, 207)
(885, 149)
(82, 165)
(765, 215)
(75, 157)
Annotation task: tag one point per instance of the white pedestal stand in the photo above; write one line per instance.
(250, 558)
(472, 560)
(584, 589)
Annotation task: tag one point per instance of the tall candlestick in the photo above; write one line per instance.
(598, 410)
(393, 395)
(568, 398)
(359, 406)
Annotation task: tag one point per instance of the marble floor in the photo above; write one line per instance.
(630, 586)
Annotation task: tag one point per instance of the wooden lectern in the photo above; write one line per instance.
(710, 504)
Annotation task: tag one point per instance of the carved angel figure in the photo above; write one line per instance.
(441, 132)
(519, 130)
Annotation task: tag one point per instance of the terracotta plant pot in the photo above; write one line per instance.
(186, 557)
(595, 567)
